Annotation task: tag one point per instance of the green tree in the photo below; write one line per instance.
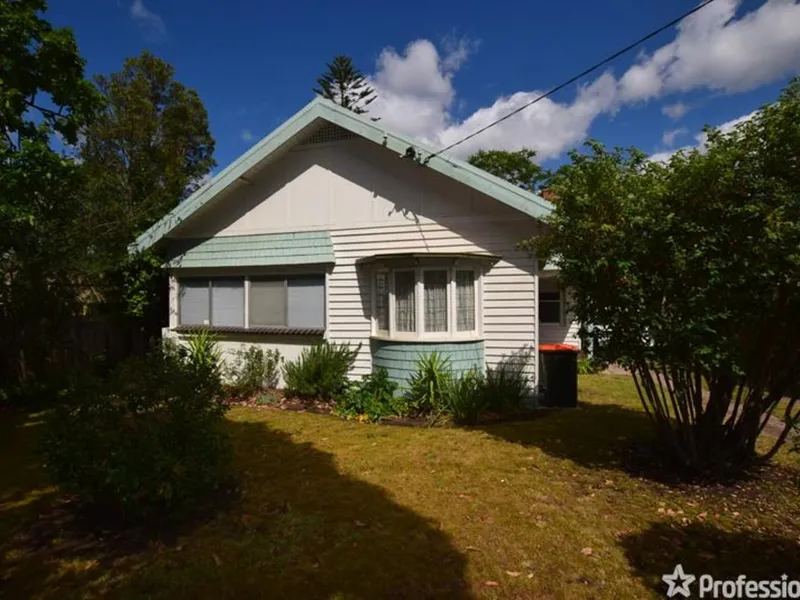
(689, 274)
(515, 167)
(44, 103)
(148, 151)
(346, 85)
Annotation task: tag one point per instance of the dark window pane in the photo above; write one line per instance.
(307, 301)
(193, 302)
(267, 303)
(549, 312)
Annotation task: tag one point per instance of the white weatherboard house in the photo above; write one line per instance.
(333, 227)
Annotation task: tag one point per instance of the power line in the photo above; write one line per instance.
(571, 80)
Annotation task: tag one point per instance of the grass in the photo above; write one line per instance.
(546, 508)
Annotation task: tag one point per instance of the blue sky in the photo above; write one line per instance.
(443, 69)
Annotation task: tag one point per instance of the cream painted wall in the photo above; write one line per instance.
(290, 347)
(374, 202)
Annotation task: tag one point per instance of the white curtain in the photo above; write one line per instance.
(465, 301)
(435, 300)
(382, 300)
(405, 307)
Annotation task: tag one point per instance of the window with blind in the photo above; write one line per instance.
(291, 302)
(425, 303)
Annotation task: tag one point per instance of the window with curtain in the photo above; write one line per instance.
(382, 300)
(425, 302)
(286, 301)
(465, 300)
(435, 298)
(404, 301)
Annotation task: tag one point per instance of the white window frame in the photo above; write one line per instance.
(419, 305)
(561, 315)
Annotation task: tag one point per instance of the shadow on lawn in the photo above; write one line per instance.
(596, 436)
(301, 529)
(703, 548)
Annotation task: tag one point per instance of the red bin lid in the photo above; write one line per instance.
(558, 348)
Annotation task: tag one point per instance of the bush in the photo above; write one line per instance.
(146, 442)
(320, 371)
(372, 398)
(589, 366)
(253, 369)
(267, 398)
(427, 387)
(203, 353)
(505, 389)
(466, 397)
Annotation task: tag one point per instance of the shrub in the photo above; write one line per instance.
(320, 371)
(252, 370)
(505, 389)
(203, 353)
(466, 397)
(589, 366)
(372, 398)
(267, 398)
(146, 442)
(427, 387)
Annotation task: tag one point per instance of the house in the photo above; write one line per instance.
(333, 227)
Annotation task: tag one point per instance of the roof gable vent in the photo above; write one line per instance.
(328, 133)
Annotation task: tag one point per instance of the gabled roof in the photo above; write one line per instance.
(287, 134)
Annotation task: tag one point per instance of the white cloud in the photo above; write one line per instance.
(711, 50)
(669, 137)
(675, 111)
(700, 138)
(246, 135)
(152, 24)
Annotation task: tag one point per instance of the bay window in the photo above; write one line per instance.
(425, 302)
(259, 303)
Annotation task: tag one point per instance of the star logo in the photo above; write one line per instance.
(678, 582)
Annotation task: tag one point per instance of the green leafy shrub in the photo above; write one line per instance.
(252, 370)
(505, 389)
(589, 366)
(466, 397)
(373, 398)
(427, 387)
(268, 398)
(203, 353)
(148, 441)
(320, 371)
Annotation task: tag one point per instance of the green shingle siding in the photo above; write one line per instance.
(399, 358)
(311, 247)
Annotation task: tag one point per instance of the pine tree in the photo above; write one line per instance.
(346, 85)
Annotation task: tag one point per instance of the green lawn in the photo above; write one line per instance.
(333, 509)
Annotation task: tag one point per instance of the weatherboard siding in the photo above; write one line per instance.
(400, 358)
(509, 310)
(373, 202)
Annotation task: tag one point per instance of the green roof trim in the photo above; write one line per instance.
(319, 108)
(302, 248)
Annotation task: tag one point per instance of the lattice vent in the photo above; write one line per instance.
(329, 133)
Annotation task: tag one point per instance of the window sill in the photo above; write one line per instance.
(309, 331)
(433, 339)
